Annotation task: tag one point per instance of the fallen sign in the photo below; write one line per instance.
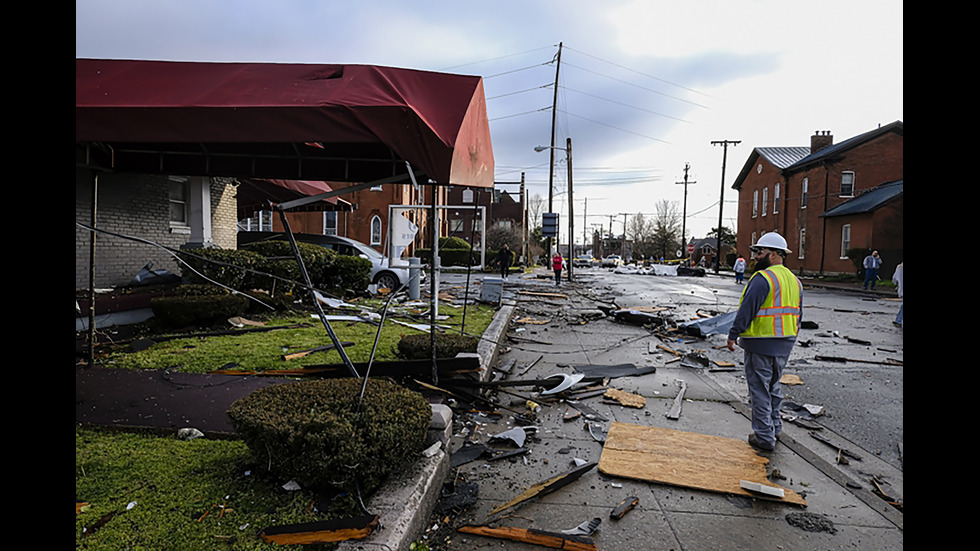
(686, 459)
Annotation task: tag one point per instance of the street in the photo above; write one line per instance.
(849, 366)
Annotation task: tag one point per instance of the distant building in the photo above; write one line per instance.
(827, 199)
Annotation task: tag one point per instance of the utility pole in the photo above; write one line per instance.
(721, 201)
(571, 212)
(622, 245)
(551, 169)
(684, 214)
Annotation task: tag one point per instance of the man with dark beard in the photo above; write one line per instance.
(765, 326)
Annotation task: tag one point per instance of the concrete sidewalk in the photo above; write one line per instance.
(840, 503)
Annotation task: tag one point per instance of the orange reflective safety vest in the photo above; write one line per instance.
(779, 314)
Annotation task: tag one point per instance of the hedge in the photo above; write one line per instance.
(313, 433)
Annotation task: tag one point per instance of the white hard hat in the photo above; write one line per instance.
(772, 240)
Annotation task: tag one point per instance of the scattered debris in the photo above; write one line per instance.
(469, 452)
(597, 431)
(432, 450)
(571, 414)
(324, 531)
(626, 398)
(613, 371)
(811, 522)
(517, 435)
(790, 379)
(587, 528)
(238, 321)
(888, 361)
(675, 409)
(840, 450)
(189, 433)
(718, 325)
(567, 382)
(304, 353)
(533, 536)
(546, 487)
(624, 507)
(460, 496)
(814, 409)
(762, 488)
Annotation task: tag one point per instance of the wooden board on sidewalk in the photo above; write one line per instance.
(685, 459)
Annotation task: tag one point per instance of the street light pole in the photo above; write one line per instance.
(571, 216)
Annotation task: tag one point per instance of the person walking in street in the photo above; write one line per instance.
(739, 270)
(872, 263)
(765, 327)
(899, 280)
(556, 264)
(503, 258)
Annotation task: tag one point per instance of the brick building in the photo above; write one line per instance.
(827, 199)
(170, 211)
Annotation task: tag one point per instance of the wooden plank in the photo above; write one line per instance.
(552, 540)
(685, 459)
(626, 398)
(321, 531)
(546, 487)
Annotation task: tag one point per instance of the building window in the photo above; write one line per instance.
(755, 203)
(847, 184)
(845, 240)
(456, 225)
(467, 196)
(330, 223)
(376, 230)
(802, 242)
(806, 186)
(765, 199)
(754, 234)
(180, 192)
(775, 199)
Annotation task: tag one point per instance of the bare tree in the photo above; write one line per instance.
(535, 208)
(666, 229)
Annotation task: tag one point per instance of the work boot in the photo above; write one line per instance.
(756, 443)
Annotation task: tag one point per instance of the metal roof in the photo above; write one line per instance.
(782, 157)
(869, 200)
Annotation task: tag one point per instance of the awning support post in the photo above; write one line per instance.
(316, 303)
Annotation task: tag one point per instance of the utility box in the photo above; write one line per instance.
(493, 289)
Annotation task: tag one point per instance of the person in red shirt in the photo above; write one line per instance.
(556, 265)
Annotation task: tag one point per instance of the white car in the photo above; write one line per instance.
(381, 274)
(611, 261)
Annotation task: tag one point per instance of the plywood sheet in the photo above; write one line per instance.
(685, 459)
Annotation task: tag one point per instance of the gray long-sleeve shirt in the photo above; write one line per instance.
(755, 294)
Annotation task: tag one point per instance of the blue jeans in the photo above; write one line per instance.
(899, 317)
(762, 373)
(870, 276)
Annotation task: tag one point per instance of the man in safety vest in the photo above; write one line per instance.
(765, 326)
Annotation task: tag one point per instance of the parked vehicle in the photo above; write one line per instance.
(611, 261)
(583, 261)
(384, 276)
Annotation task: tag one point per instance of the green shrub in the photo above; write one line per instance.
(311, 431)
(349, 273)
(197, 304)
(453, 243)
(419, 346)
(222, 265)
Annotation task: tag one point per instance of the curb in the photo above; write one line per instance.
(405, 503)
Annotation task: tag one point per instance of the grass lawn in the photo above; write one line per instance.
(146, 491)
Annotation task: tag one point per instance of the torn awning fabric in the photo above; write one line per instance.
(256, 194)
(350, 123)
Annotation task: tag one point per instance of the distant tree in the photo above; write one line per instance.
(535, 208)
(727, 236)
(666, 229)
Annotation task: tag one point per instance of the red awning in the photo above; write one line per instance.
(352, 123)
(254, 195)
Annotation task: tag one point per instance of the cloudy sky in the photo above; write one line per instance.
(645, 86)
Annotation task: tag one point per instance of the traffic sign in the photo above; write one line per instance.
(549, 224)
